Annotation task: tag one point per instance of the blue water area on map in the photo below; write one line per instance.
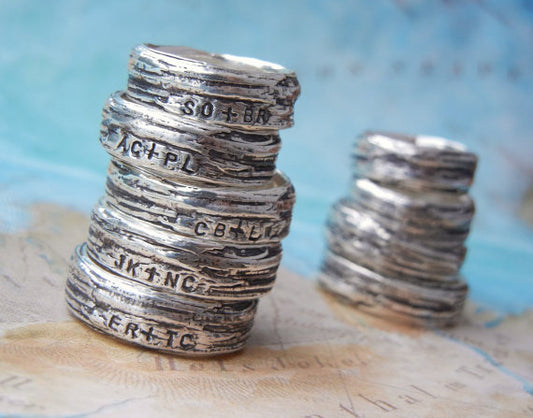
(462, 70)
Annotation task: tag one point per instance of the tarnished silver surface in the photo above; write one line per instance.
(257, 214)
(217, 74)
(421, 210)
(432, 234)
(431, 301)
(205, 269)
(395, 246)
(223, 254)
(381, 305)
(414, 162)
(187, 236)
(358, 236)
(137, 314)
(223, 89)
(432, 294)
(177, 149)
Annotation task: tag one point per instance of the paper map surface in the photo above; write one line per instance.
(308, 356)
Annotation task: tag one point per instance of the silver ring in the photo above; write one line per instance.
(453, 211)
(259, 215)
(108, 226)
(432, 294)
(438, 303)
(175, 149)
(414, 162)
(236, 113)
(142, 330)
(353, 219)
(217, 74)
(394, 259)
(431, 235)
(222, 89)
(159, 270)
(358, 237)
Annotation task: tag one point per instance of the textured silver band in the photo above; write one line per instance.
(394, 259)
(421, 303)
(236, 113)
(450, 211)
(175, 149)
(431, 234)
(434, 295)
(414, 162)
(358, 235)
(158, 267)
(217, 74)
(221, 89)
(229, 260)
(261, 215)
(385, 307)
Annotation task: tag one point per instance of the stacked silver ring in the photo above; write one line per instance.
(396, 245)
(188, 234)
